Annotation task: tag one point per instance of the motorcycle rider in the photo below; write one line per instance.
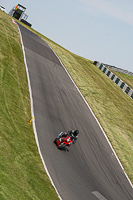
(72, 133)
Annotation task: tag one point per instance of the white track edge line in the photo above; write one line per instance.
(32, 114)
(95, 119)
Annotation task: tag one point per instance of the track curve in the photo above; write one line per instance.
(89, 170)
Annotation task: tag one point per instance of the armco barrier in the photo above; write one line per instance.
(116, 69)
(115, 79)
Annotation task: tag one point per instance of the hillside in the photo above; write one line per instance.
(23, 174)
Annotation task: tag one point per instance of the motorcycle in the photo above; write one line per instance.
(62, 142)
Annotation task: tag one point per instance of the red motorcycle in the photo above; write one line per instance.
(62, 142)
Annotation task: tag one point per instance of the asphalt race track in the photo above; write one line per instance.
(90, 170)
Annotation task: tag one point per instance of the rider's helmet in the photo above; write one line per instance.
(76, 132)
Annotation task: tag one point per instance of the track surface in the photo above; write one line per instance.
(89, 170)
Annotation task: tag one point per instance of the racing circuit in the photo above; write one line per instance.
(90, 170)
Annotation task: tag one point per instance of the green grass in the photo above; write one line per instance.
(22, 172)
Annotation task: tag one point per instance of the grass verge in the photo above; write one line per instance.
(22, 172)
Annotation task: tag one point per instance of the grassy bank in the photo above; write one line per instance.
(22, 172)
